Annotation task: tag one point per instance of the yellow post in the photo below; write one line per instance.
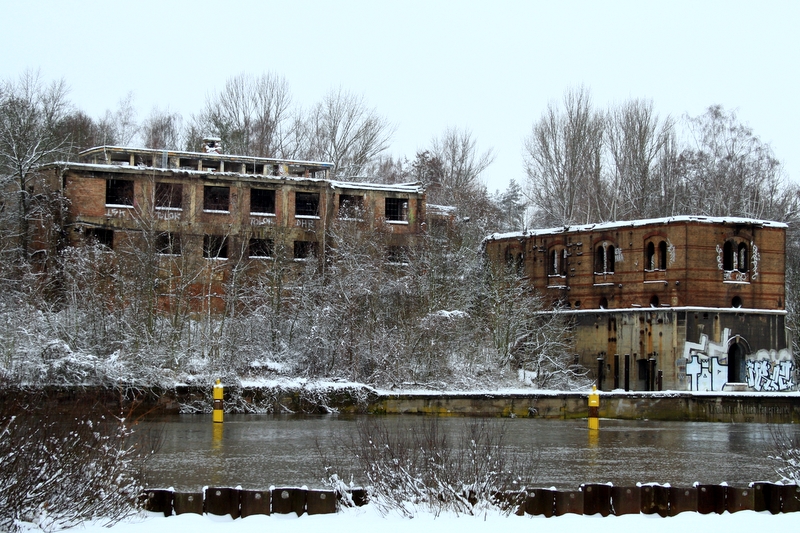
(218, 392)
(594, 409)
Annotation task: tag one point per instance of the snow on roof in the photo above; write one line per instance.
(415, 187)
(606, 226)
(442, 209)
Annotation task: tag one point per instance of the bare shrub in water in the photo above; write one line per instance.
(426, 468)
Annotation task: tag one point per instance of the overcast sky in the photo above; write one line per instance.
(491, 67)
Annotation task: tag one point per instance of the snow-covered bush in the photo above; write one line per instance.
(62, 463)
(435, 471)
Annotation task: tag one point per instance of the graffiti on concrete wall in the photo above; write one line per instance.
(707, 363)
(766, 370)
(771, 371)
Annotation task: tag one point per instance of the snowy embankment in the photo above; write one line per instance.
(369, 519)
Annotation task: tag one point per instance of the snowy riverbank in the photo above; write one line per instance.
(368, 519)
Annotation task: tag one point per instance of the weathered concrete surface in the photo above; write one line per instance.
(350, 398)
(728, 407)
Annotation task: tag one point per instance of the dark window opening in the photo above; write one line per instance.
(736, 355)
(741, 257)
(558, 262)
(216, 198)
(306, 204)
(261, 248)
(168, 244)
(262, 201)
(101, 236)
(737, 301)
(305, 249)
(654, 302)
(604, 303)
(397, 254)
(351, 206)
(396, 209)
(662, 255)
(119, 192)
(727, 256)
(215, 247)
(169, 195)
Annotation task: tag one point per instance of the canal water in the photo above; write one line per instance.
(259, 451)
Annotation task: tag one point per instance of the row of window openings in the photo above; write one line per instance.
(216, 246)
(735, 258)
(170, 195)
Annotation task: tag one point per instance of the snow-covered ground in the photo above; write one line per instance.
(368, 519)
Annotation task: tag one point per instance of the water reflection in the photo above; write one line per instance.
(256, 451)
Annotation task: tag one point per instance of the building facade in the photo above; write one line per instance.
(202, 214)
(681, 303)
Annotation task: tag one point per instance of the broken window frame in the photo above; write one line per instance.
(264, 204)
(735, 260)
(216, 199)
(306, 204)
(351, 207)
(557, 262)
(396, 210)
(215, 246)
(168, 196)
(168, 243)
(656, 256)
(99, 236)
(119, 193)
(303, 250)
(260, 248)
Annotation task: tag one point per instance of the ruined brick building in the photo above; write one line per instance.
(200, 215)
(682, 303)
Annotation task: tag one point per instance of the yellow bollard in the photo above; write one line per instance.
(594, 409)
(218, 392)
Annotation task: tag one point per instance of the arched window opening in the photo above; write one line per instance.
(604, 259)
(736, 355)
(603, 303)
(654, 301)
(651, 256)
(662, 255)
(741, 257)
(558, 262)
(737, 302)
(728, 257)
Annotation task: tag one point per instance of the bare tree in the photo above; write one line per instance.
(162, 130)
(636, 140)
(341, 129)
(29, 114)
(456, 166)
(563, 162)
(252, 115)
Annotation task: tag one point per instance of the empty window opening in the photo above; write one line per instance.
(351, 206)
(735, 257)
(654, 301)
(215, 247)
(604, 303)
(169, 196)
(305, 249)
(119, 192)
(262, 201)
(216, 198)
(101, 236)
(736, 354)
(604, 259)
(662, 255)
(396, 209)
(737, 301)
(558, 262)
(306, 204)
(261, 248)
(168, 244)
(397, 254)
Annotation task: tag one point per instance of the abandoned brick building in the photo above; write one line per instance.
(682, 303)
(203, 212)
